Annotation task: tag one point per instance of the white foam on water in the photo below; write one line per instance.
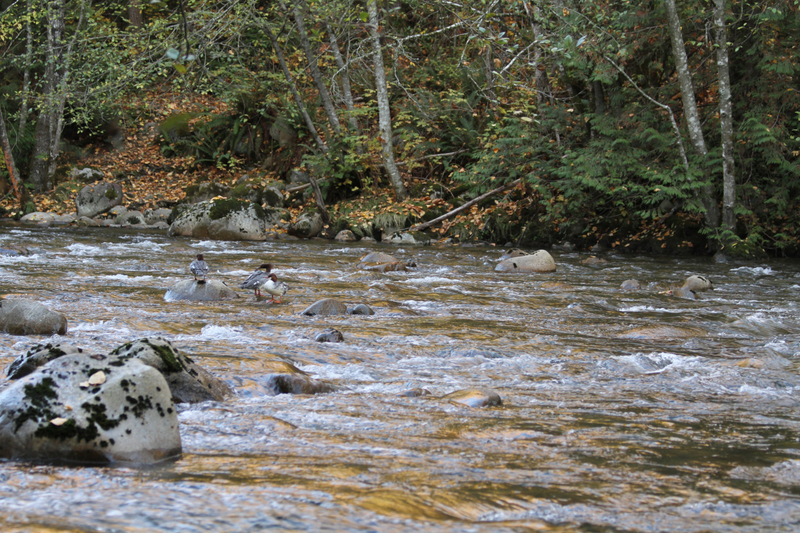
(337, 372)
(84, 249)
(430, 280)
(754, 271)
(648, 309)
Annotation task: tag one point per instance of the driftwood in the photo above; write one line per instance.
(420, 227)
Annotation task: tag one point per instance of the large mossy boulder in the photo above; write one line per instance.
(26, 317)
(209, 290)
(96, 199)
(222, 219)
(89, 408)
(539, 261)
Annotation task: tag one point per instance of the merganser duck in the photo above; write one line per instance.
(257, 279)
(274, 287)
(199, 267)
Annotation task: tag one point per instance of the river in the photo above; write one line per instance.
(622, 410)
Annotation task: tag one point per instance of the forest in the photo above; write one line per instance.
(658, 126)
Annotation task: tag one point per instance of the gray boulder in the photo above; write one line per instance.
(38, 218)
(152, 216)
(328, 306)
(540, 261)
(131, 218)
(329, 335)
(98, 198)
(86, 175)
(307, 226)
(345, 236)
(89, 408)
(187, 381)
(26, 317)
(200, 291)
(225, 220)
(374, 258)
(360, 309)
(296, 384)
(204, 192)
(273, 197)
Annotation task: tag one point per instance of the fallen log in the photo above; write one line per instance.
(457, 210)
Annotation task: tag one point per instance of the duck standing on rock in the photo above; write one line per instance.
(199, 268)
(274, 288)
(257, 279)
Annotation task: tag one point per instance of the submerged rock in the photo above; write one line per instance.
(26, 317)
(373, 258)
(200, 291)
(297, 384)
(360, 309)
(187, 381)
(540, 261)
(330, 335)
(89, 408)
(475, 398)
(631, 285)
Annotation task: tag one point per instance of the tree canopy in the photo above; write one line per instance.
(624, 122)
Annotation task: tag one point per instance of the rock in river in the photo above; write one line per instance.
(89, 408)
(540, 261)
(475, 398)
(187, 381)
(327, 306)
(26, 317)
(200, 291)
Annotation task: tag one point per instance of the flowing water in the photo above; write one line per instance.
(622, 410)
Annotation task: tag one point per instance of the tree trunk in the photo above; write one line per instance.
(384, 110)
(725, 119)
(135, 14)
(46, 122)
(347, 93)
(26, 76)
(316, 75)
(19, 188)
(690, 109)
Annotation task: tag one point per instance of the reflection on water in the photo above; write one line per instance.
(622, 410)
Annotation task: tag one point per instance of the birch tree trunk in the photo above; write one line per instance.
(725, 119)
(384, 110)
(690, 108)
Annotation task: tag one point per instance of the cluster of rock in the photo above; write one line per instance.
(68, 405)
